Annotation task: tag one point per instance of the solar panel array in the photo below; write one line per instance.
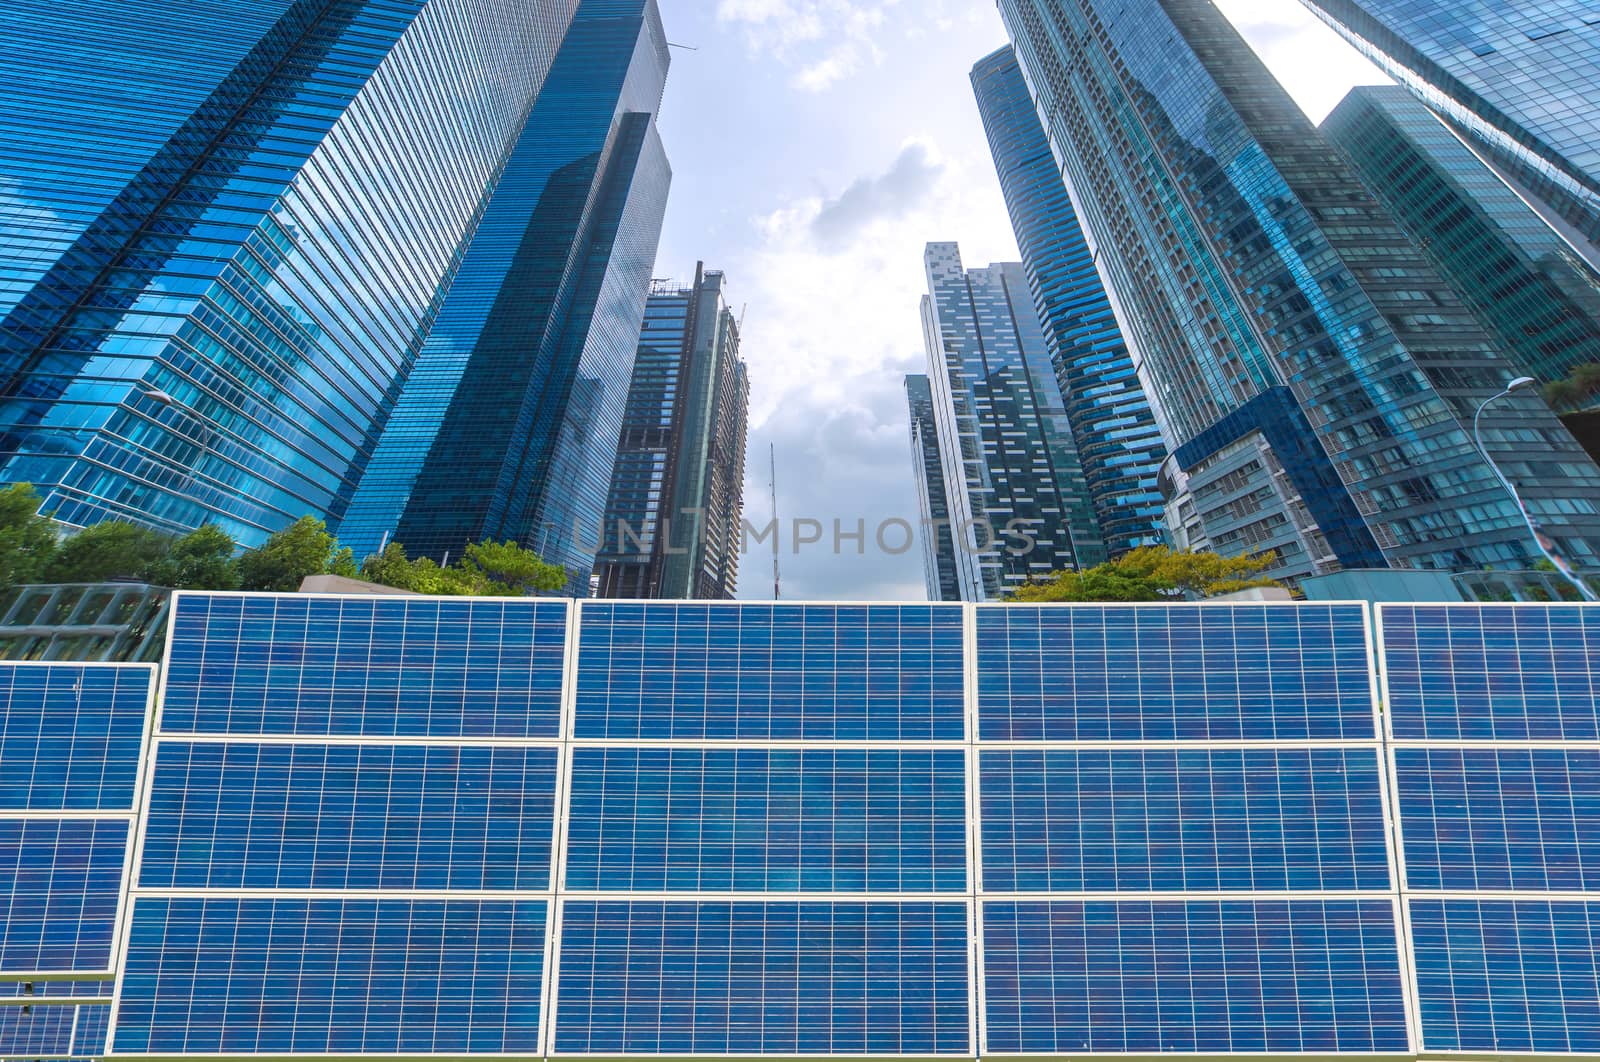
(71, 746)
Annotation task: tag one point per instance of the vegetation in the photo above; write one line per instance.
(1576, 389)
(27, 539)
(502, 569)
(1154, 573)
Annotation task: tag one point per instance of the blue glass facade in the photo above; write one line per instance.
(1245, 258)
(196, 328)
(1119, 446)
(940, 572)
(508, 427)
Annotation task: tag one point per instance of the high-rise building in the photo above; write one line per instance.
(1119, 445)
(508, 427)
(1517, 77)
(935, 530)
(673, 523)
(1017, 499)
(1531, 291)
(228, 226)
(1314, 377)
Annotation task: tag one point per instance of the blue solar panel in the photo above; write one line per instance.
(59, 885)
(246, 815)
(1503, 672)
(57, 989)
(1206, 976)
(1197, 820)
(761, 820)
(365, 666)
(821, 672)
(70, 736)
(1507, 976)
(36, 1031)
(89, 1036)
(1500, 818)
(763, 978)
(1166, 672)
(332, 976)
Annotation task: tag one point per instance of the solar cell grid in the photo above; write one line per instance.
(313, 666)
(1182, 820)
(89, 1035)
(36, 1032)
(1195, 976)
(59, 886)
(1492, 672)
(763, 978)
(1170, 672)
(332, 976)
(248, 815)
(776, 820)
(819, 672)
(70, 736)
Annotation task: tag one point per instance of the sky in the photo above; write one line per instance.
(817, 146)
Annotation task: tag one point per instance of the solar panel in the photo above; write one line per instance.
(367, 666)
(1507, 976)
(1167, 672)
(36, 1031)
(1196, 819)
(1501, 818)
(89, 1035)
(323, 976)
(763, 978)
(59, 886)
(310, 816)
(819, 672)
(1187, 976)
(57, 988)
(768, 820)
(1498, 672)
(70, 735)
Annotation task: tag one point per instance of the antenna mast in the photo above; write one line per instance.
(777, 583)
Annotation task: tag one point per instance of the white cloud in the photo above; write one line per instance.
(1314, 63)
(828, 40)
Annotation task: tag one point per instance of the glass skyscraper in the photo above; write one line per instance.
(508, 427)
(673, 518)
(1118, 444)
(936, 532)
(1314, 377)
(1517, 77)
(1531, 291)
(1019, 506)
(228, 228)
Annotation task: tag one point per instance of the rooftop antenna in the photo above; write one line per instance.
(742, 311)
(777, 582)
(685, 47)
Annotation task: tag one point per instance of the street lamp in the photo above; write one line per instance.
(1522, 383)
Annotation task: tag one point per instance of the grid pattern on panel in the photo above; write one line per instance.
(1091, 820)
(368, 666)
(89, 1037)
(41, 1031)
(1165, 672)
(260, 816)
(1508, 975)
(70, 736)
(332, 976)
(767, 820)
(763, 978)
(818, 672)
(1208, 976)
(1486, 672)
(60, 881)
(1500, 818)
(57, 989)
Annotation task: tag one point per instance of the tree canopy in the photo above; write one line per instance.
(27, 539)
(1153, 573)
(501, 569)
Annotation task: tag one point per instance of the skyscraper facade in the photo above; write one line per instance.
(228, 227)
(673, 525)
(508, 427)
(1119, 445)
(1531, 291)
(935, 531)
(1517, 77)
(1018, 502)
(1314, 377)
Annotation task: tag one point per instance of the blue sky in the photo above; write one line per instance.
(817, 145)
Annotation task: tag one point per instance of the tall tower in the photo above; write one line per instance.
(936, 532)
(508, 427)
(1118, 443)
(228, 227)
(1314, 377)
(1517, 77)
(1017, 499)
(673, 525)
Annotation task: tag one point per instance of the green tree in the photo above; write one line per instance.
(485, 569)
(302, 549)
(1586, 378)
(201, 560)
(1560, 394)
(1154, 573)
(27, 539)
(112, 549)
(391, 567)
(512, 570)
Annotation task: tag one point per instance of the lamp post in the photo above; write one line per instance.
(1522, 383)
